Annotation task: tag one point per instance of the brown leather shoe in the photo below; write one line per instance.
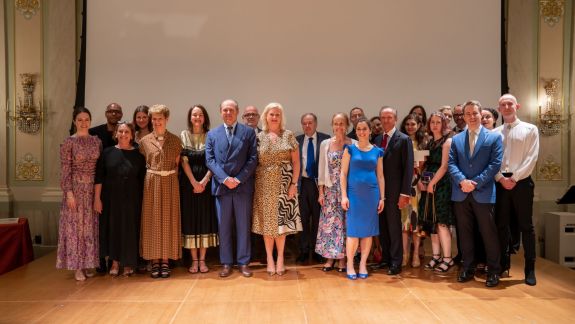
(226, 271)
(245, 270)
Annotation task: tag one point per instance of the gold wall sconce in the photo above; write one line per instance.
(28, 117)
(550, 116)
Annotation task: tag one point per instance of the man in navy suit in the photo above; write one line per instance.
(398, 167)
(309, 143)
(231, 155)
(474, 160)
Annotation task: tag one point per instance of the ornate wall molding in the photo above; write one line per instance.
(550, 170)
(28, 8)
(28, 168)
(551, 11)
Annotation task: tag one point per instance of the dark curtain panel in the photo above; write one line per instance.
(81, 82)
(504, 81)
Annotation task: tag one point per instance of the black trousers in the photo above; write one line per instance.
(390, 233)
(516, 204)
(309, 212)
(103, 236)
(467, 213)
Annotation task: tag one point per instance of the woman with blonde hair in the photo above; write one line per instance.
(330, 242)
(276, 176)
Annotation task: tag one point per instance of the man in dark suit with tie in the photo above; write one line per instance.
(474, 159)
(309, 143)
(398, 167)
(231, 155)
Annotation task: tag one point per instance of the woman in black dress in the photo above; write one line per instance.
(199, 220)
(435, 204)
(118, 193)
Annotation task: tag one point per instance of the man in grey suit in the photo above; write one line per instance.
(398, 166)
(231, 155)
(309, 143)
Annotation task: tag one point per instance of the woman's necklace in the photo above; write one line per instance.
(159, 137)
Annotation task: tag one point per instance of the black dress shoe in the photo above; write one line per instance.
(381, 265)
(245, 270)
(466, 275)
(394, 270)
(327, 269)
(530, 278)
(492, 280)
(302, 257)
(226, 271)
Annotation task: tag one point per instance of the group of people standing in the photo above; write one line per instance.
(156, 192)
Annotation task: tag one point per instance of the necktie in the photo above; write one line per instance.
(384, 142)
(229, 133)
(310, 159)
(471, 142)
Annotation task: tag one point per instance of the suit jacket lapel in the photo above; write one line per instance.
(392, 140)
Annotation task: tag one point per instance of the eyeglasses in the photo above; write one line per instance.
(251, 115)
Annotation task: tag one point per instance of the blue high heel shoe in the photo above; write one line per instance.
(351, 276)
(362, 275)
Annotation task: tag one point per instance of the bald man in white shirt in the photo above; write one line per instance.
(515, 187)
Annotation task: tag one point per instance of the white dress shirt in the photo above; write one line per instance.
(304, 152)
(476, 135)
(520, 149)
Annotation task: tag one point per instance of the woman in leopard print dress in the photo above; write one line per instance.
(276, 210)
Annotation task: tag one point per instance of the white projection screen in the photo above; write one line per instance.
(320, 56)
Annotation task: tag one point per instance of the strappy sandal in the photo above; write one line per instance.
(434, 262)
(155, 273)
(165, 270)
(203, 267)
(128, 271)
(194, 267)
(448, 265)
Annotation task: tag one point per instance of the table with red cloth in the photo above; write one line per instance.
(15, 245)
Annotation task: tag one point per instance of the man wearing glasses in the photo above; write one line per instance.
(105, 131)
(251, 118)
(458, 119)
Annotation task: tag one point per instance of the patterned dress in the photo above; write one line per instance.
(409, 218)
(78, 229)
(330, 241)
(199, 219)
(442, 198)
(161, 236)
(274, 214)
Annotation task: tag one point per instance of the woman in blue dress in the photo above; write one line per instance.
(362, 191)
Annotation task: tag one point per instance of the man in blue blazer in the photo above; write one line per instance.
(474, 160)
(398, 174)
(231, 155)
(308, 204)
